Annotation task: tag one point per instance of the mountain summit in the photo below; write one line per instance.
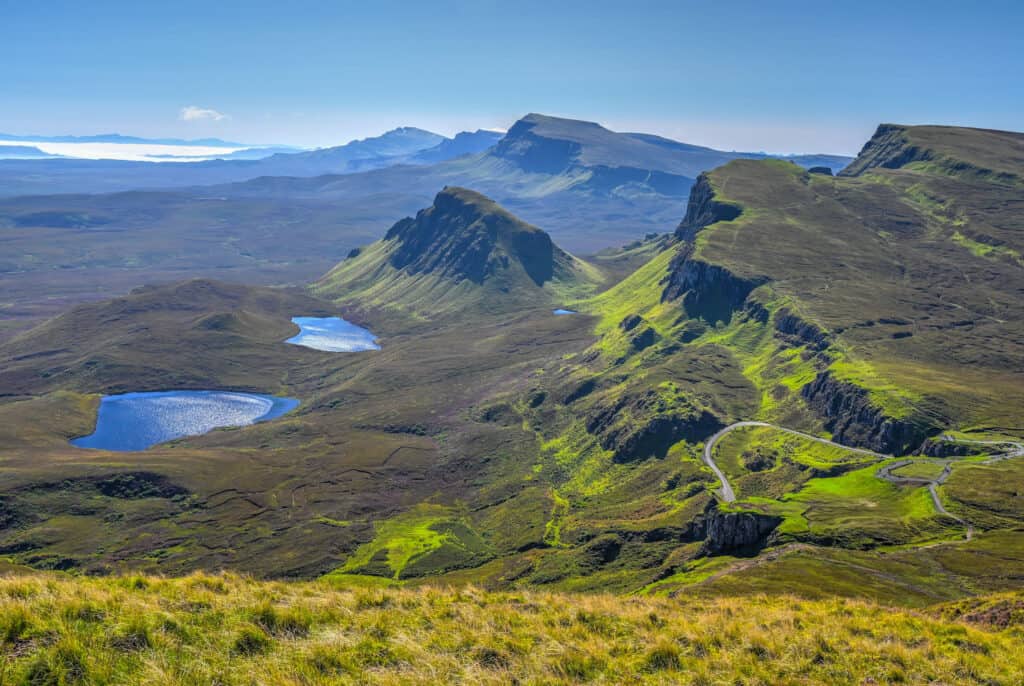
(464, 250)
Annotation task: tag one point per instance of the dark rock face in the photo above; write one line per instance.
(643, 338)
(854, 421)
(792, 326)
(584, 389)
(466, 236)
(757, 312)
(630, 322)
(603, 549)
(939, 448)
(534, 153)
(826, 171)
(702, 210)
(709, 291)
(637, 427)
(888, 149)
(737, 531)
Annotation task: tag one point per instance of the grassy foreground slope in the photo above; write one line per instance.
(204, 629)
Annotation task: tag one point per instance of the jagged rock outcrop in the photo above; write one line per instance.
(854, 421)
(703, 209)
(465, 235)
(709, 291)
(737, 531)
(934, 447)
(630, 322)
(638, 426)
(889, 149)
(800, 331)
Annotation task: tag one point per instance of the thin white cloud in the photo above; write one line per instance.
(193, 113)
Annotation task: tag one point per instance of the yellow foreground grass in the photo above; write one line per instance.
(226, 629)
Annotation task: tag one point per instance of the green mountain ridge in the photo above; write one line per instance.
(464, 253)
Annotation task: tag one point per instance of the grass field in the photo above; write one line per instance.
(225, 629)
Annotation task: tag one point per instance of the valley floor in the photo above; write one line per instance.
(226, 629)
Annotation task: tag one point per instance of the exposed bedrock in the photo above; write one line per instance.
(854, 421)
(934, 447)
(709, 291)
(703, 209)
(464, 235)
(802, 332)
(889, 149)
(737, 531)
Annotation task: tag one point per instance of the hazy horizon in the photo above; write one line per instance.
(789, 78)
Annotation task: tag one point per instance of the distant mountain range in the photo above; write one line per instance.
(535, 145)
(118, 138)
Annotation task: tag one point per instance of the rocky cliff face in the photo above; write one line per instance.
(852, 419)
(534, 153)
(889, 149)
(737, 531)
(801, 332)
(709, 291)
(704, 209)
(464, 235)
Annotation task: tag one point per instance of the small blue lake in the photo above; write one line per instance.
(136, 421)
(560, 311)
(332, 334)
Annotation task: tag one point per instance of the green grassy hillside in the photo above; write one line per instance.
(463, 256)
(224, 629)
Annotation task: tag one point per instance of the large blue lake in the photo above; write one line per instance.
(332, 334)
(135, 421)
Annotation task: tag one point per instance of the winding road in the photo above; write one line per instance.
(729, 495)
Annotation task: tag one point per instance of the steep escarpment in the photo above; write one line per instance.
(791, 326)
(708, 291)
(972, 154)
(703, 209)
(465, 235)
(463, 253)
(737, 531)
(889, 148)
(534, 152)
(853, 420)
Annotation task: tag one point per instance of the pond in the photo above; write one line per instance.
(136, 421)
(561, 311)
(332, 334)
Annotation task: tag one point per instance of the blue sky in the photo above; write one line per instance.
(778, 76)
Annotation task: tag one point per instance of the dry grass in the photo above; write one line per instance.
(227, 629)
